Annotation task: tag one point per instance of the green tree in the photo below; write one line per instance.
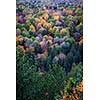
(36, 85)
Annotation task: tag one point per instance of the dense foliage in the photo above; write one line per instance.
(74, 84)
(49, 50)
(33, 84)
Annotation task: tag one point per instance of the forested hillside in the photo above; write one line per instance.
(49, 49)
